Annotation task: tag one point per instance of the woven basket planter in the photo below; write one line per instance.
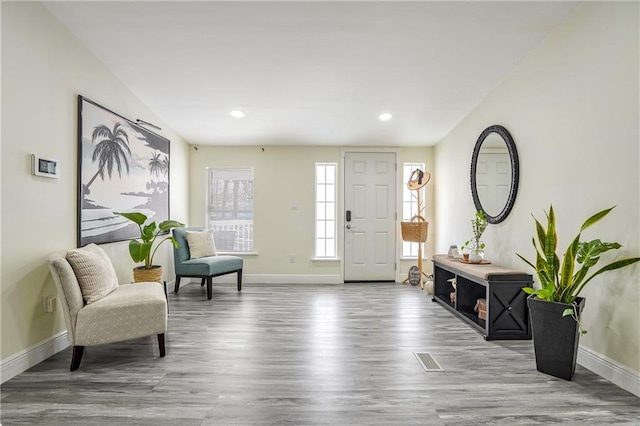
(140, 274)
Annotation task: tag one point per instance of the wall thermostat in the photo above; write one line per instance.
(46, 167)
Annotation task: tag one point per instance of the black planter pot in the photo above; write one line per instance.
(555, 338)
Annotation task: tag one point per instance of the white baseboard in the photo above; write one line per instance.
(277, 279)
(24, 360)
(611, 370)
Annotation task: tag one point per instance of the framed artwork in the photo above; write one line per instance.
(122, 167)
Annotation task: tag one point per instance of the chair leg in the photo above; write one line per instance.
(240, 280)
(177, 287)
(209, 287)
(202, 282)
(161, 344)
(76, 357)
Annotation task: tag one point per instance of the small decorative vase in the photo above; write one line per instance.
(476, 255)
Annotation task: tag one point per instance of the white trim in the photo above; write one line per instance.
(276, 279)
(618, 374)
(27, 358)
(367, 149)
(413, 258)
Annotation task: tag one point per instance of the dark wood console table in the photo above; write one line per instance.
(507, 315)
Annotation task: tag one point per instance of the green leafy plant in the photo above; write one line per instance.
(478, 224)
(563, 282)
(142, 250)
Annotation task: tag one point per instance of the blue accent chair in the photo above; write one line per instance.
(204, 268)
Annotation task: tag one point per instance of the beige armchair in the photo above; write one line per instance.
(97, 310)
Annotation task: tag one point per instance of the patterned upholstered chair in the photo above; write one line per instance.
(97, 310)
(205, 267)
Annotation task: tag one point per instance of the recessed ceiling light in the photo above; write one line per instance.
(385, 116)
(237, 113)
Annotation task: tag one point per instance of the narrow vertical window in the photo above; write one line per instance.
(410, 205)
(230, 209)
(326, 210)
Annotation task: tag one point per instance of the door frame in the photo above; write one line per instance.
(341, 213)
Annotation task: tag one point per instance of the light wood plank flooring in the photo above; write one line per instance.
(309, 355)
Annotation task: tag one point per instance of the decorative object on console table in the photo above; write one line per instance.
(481, 308)
(507, 315)
(416, 229)
(474, 247)
(556, 307)
(143, 251)
(453, 252)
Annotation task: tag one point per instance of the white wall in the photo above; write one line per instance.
(283, 174)
(572, 108)
(44, 68)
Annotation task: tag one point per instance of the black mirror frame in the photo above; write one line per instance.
(515, 172)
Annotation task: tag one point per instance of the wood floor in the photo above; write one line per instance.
(307, 355)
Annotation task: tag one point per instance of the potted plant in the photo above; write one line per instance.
(142, 250)
(474, 247)
(555, 307)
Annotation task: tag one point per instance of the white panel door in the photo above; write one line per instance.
(370, 201)
(493, 180)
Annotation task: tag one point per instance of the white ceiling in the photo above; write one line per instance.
(316, 73)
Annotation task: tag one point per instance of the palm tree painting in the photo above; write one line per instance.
(122, 167)
(112, 149)
(155, 164)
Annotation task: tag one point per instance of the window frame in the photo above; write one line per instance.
(325, 221)
(210, 224)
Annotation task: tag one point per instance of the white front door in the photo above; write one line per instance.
(370, 216)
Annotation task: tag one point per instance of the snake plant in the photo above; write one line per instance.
(563, 282)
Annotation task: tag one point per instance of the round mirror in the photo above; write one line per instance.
(494, 173)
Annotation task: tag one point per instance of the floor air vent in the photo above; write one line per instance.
(427, 361)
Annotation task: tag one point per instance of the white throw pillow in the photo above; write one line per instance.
(112, 276)
(94, 272)
(201, 244)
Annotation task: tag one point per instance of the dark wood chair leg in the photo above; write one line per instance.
(240, 280)
(177, 286)
(161, 344)
(209, 287)
(203, 281)
(76, 357)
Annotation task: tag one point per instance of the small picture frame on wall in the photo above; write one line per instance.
(122, 167)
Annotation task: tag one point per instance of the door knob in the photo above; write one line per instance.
(348, 226)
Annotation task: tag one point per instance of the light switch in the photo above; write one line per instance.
(294, 205)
